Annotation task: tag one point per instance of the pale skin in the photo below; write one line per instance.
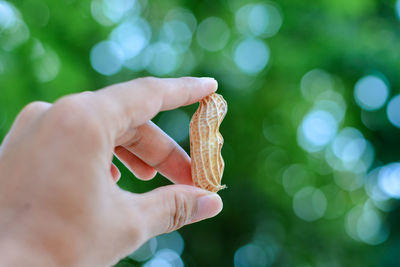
(59, 202)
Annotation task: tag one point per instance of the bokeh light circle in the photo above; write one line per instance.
(170, 256)
(258, 20)
(161, 59)
(184, 15)
(336, 108)
(336, 201)
(317, 129)
(372, 188)
(106, 57)
(172, 241)
(349, 145)
(47, 66)
(309, 203)
(315, 82)
(109, 12)
(393, 111)
(389, 180)
(350, 151)
(158, 262)
(251, 56)
(7, 16)
(132, 36)
(368, 225)
(213, 34)
(364, 223)
(250, 255)
(295, 177)
(371, 92)
(349, 180)
(178, 34)
(17, 34)
(146, 251)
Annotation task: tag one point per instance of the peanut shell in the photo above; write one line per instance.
(206, 143)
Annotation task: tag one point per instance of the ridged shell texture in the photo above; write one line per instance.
(206, 143)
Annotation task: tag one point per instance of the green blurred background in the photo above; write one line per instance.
(311, 135)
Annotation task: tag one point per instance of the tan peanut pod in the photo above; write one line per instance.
(206, 143)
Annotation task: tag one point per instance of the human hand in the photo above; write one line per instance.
(59, 204)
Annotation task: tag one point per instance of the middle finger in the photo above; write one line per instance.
(158, 150)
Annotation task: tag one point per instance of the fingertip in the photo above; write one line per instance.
(115, 173)
(210, 83)
(208, 206)
(150, 174)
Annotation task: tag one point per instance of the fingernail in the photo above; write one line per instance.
(207, 206)
(210, 83)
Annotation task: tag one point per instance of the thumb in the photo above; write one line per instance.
(168, 208)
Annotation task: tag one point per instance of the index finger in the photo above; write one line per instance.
(130, 104)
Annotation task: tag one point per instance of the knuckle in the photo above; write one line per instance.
(74, 115)
(150, 107)
(33, 109)
(188, 80)
(180, 212)
(152, 84)
(149, 80)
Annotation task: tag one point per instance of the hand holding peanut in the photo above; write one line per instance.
(59, 203)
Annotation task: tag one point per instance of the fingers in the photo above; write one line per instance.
(130, 104)
(168, 208)
(137, 166)
(101, 118)
(115, 173)
(155, 148)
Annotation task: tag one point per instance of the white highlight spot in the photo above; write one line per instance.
(389, 180)
(7, 15)
(132, 37)
(372, 188)
(371, 92)
(251, 56)
(317, 130)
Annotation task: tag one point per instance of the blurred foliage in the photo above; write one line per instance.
(285, 205)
